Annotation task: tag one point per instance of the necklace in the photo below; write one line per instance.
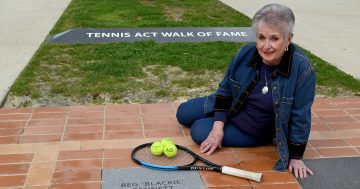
(265, 88)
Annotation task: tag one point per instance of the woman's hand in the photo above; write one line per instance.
(214, 139)
(299, 168)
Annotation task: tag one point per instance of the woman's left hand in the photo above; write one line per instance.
(214, 139)
(299, 168)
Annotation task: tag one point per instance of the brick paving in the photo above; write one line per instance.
(67, 147)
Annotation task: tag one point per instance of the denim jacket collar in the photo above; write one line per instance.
(284, 66)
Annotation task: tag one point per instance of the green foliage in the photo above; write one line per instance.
(331, 77)
(74, 70)
(148, 13)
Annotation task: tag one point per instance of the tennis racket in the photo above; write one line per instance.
(185, 160)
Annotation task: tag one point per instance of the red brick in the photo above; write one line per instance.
(156, 133)
(12, 124)
(231, 187)
(47, 123)
(170, 119)
(15, 110)
(49, 116)
(161, 125)
(254, 149)
(12, 169)
(43, 130)
(9, 140)
(311, 154)
(40, 138)
(333, 112)
(278, 186)
(83, 136)
(10, 132)
(76, 176)
(93, 185)
(349, 105)
(16, 158)
(328, 143)
(338, 134)
(80, 154)
(354, 112)
(125, 162)
(357, 118)
(77, 165)
(123, 127)
(87, 114)
(157, 109)
(320, 127)
(339, 119)
(117, 153)
(84, 129)
(345, 126)
(320, 104)
(14, 117)
(213, 179)
(12, 181)
(87, 108)
(221, 158)
(338, 152)
(317, 120)
(118, 158)
(256, 155)
(345, 100)
(354, 141)
(124, 109)
(123, 135)
(53, 109)
(123, 120)
(86, 121)
(275, 178)
(258, 165)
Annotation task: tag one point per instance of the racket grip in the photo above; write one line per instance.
(242, 173)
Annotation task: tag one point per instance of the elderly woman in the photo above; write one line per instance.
(266, 95)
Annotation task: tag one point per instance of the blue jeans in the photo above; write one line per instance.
(196, 114)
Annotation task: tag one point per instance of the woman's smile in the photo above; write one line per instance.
(269, 53)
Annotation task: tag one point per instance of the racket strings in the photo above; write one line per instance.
(182, 158)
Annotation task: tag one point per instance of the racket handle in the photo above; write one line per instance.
(242, 173)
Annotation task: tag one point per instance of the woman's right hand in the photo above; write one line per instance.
(214, 139)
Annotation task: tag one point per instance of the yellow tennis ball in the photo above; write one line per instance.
(157, 148)
(170, 150)
(166, 141)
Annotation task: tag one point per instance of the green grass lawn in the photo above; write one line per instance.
(143, 72)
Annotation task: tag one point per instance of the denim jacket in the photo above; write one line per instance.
(293, 91)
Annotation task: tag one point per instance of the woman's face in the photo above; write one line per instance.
(271, 43)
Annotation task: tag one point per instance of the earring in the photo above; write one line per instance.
(287, 48)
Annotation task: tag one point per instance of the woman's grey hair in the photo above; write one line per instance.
(275, 14)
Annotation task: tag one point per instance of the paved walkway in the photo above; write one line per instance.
(24, 26)
(327, 28)
(68, 146)
(62, 147)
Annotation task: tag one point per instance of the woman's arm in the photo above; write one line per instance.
(300, 118)
(300, 122)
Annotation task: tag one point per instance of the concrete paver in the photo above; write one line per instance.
(24, 26)
(68, 146)
(333, 179)
(327, 28)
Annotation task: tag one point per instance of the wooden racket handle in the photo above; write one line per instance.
(242, 173)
